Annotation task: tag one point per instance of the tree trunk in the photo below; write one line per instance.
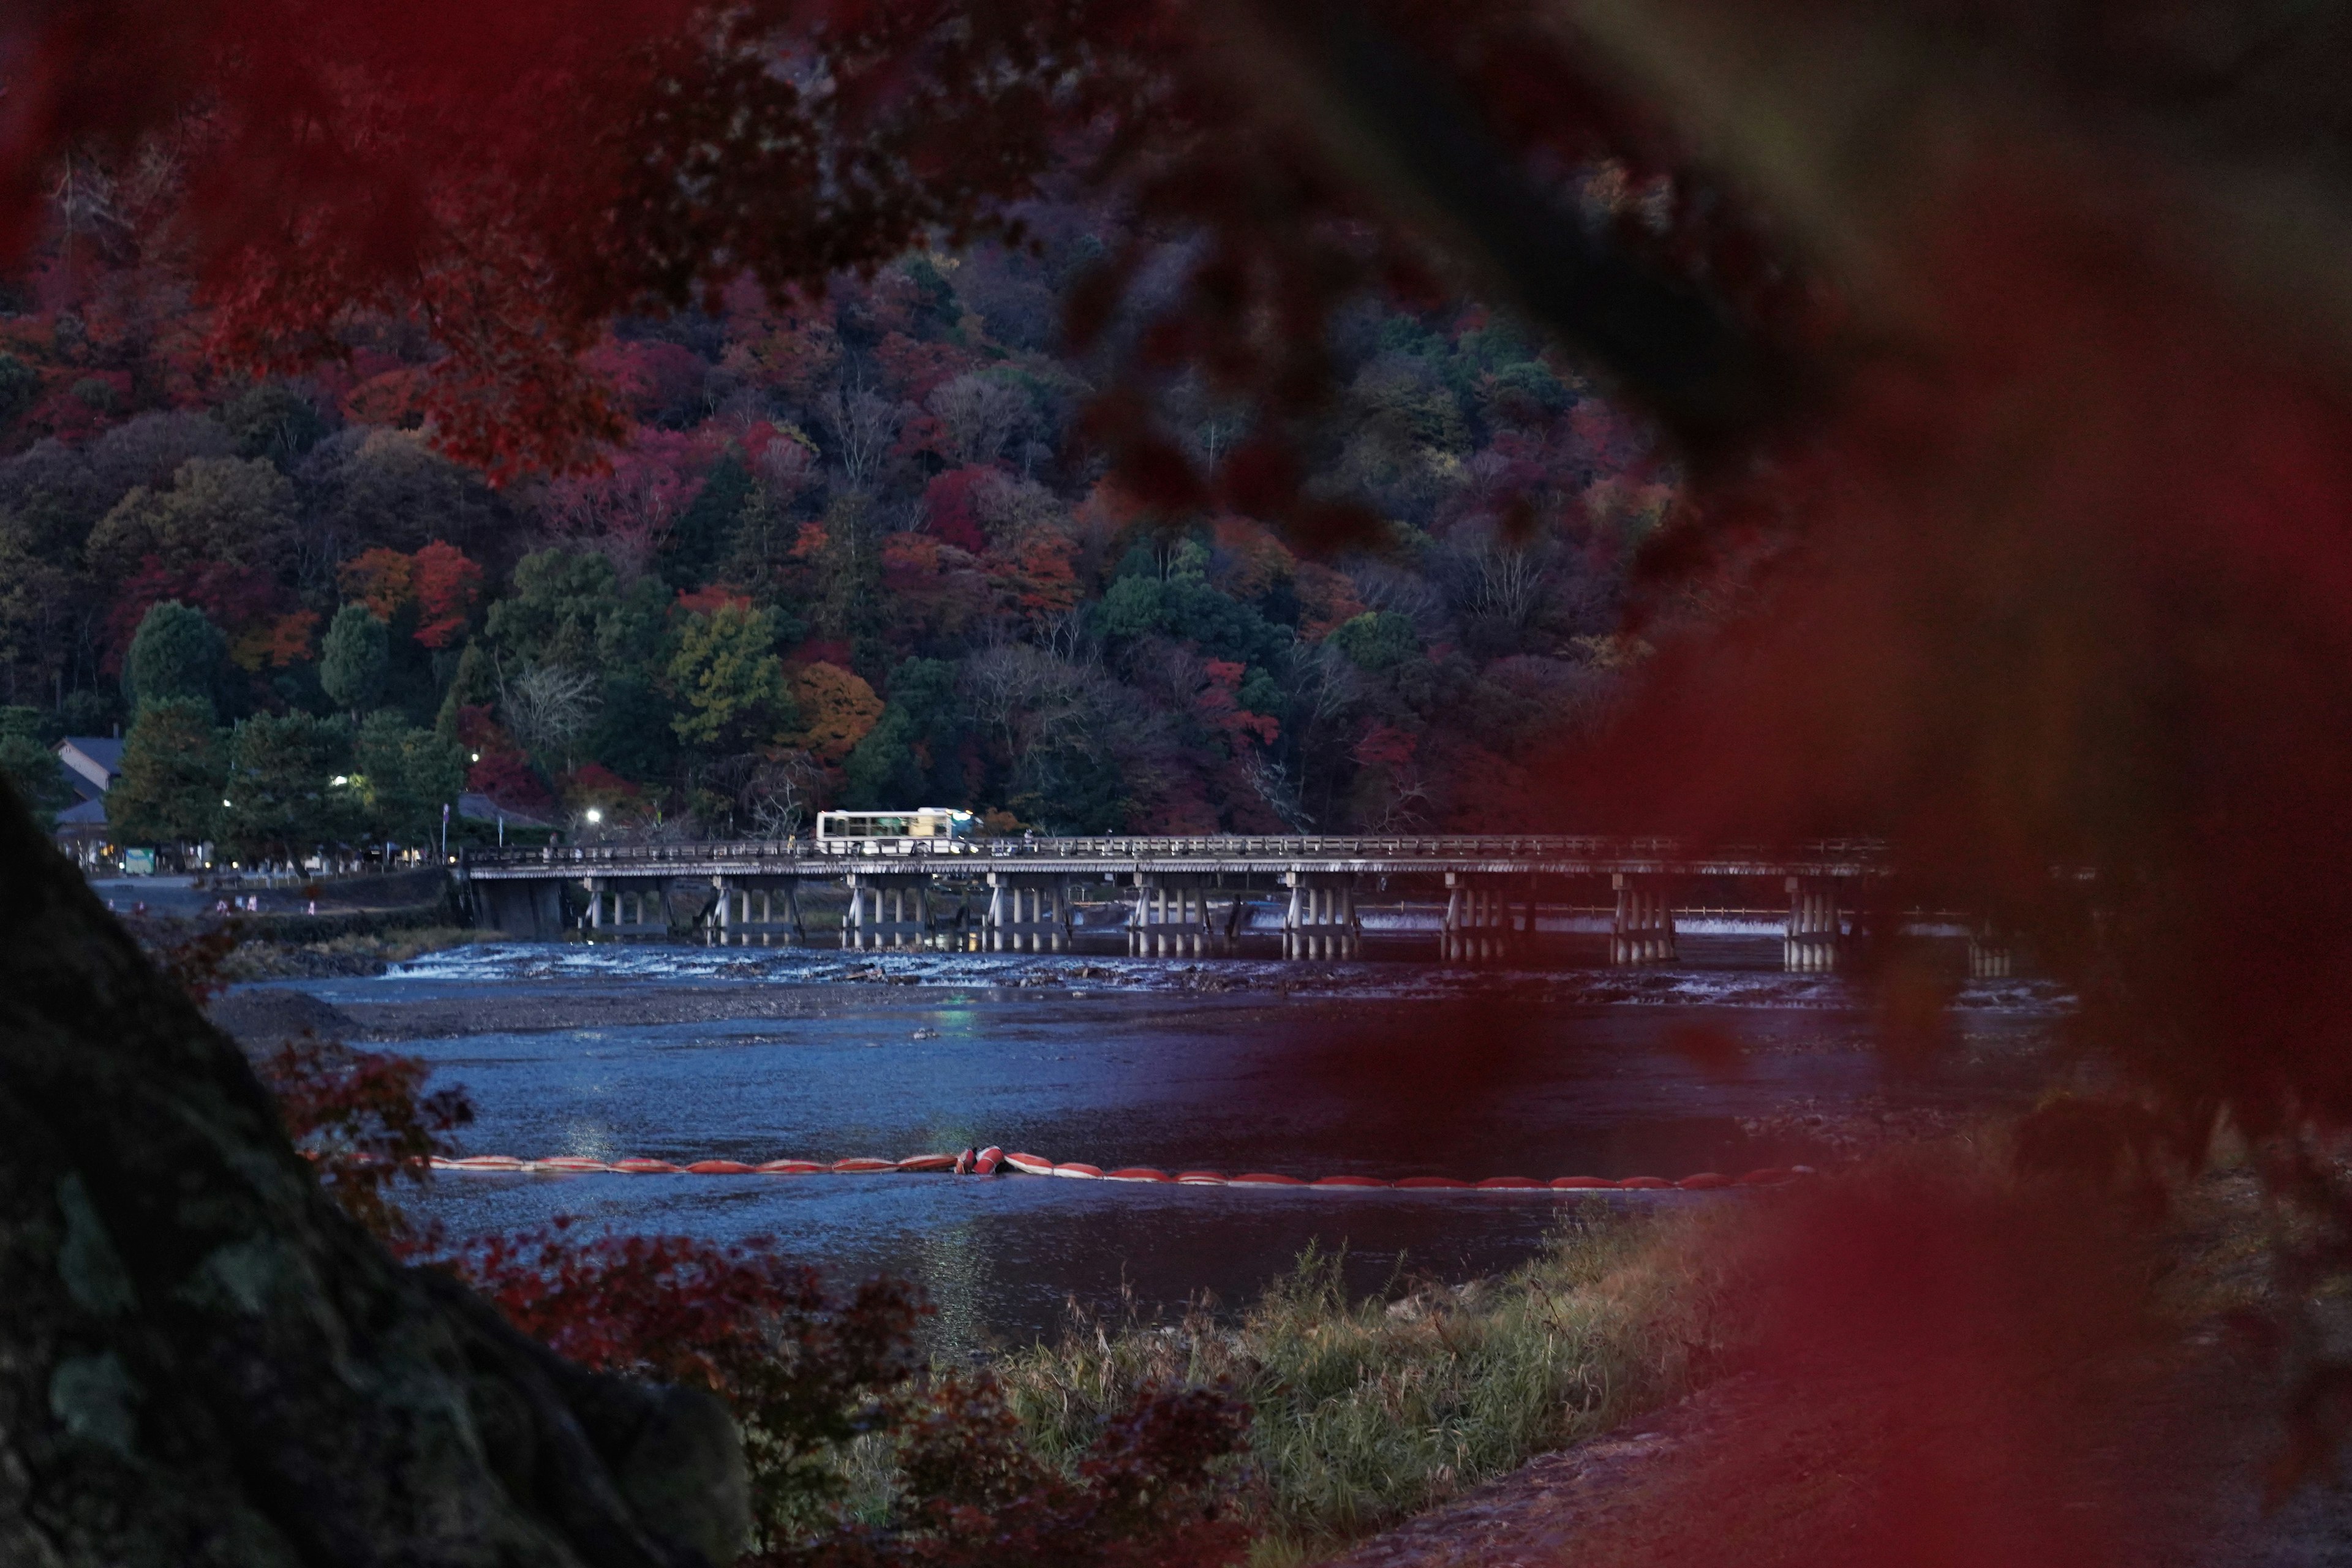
(203, 1361)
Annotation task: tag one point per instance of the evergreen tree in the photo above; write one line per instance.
(177, 652)
(173, 770)
(354, 658)
(911, 757)
(404, 775)
(632, 733)
(1378, 640)
(700, 538)
(728, 679)
(551, 612)
(280, 797)
(475, 684)
(31, 769)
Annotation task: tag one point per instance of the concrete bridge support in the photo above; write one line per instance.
(530, 911)
(888, 910)
(748, 913)
(1992, 953)
(1321, 921)
(1477, 918)
(1026, 913)
(1814, 928)
(632, 905)
(1643, 932)
(1171, 916)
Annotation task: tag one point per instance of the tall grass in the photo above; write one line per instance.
(1369, 1410)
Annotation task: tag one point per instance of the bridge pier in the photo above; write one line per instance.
(1321, 921)
(1992, 953)
(888, 910)
(1813, 939)
(626, 906)
(526, 911)
(1027, 913)
(1171, 918)
(1644, 931)
(732, 921)
(1477, 918)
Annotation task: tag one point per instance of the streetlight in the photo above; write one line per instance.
(592, 818)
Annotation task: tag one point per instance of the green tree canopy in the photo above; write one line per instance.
(1185, 605)
(354, 658)
(700, 540)
(404, 776)
(177, 652)
(1378, 640)
(219, 511)
(31, 769)
(20, 388)
(269, 419)
(280, 795)
(550, 613)
(910, 756)
(174, 769)
(729, 679)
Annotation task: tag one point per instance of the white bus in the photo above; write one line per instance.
(936, 822)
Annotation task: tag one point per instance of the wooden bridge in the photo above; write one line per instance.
(1182, 896)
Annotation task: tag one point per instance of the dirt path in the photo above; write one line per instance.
(2164, 1468)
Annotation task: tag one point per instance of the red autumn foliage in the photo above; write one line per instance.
(594, 784)
(800, 1370)
(366, 1121)
(246, 601)
(949, 513)
(1151, 1492)
(1219, 704)
(508, 778)
(448, 586)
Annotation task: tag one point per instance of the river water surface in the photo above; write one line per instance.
(1379, 1068)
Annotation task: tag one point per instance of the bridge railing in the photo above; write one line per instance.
(809, 855)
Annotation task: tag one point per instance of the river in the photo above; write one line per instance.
(1379, 1068)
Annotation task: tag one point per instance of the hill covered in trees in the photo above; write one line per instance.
(851, 550)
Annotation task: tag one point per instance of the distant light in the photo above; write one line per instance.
(595, 815)
(340, 779)
(476, 756)
(230, 804)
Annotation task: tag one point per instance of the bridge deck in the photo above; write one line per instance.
(1383, 856)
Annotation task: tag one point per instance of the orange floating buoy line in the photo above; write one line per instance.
(991, 1161)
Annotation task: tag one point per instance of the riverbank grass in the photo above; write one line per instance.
(1370, 1410)
(356, 953)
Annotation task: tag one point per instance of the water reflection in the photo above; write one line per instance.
(1401, 1071)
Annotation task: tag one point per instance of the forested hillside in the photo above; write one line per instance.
(851, 550)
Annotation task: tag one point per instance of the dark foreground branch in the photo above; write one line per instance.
(202, 1361)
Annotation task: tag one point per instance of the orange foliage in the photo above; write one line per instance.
(1034, 573)
(837, 708)
(383, 580)
(717, 597)
(439, 580)
(276, 644)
